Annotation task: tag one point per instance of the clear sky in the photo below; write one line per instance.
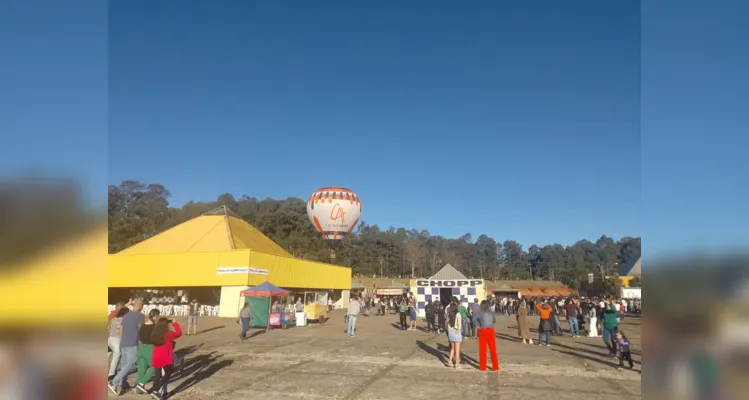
(488, 118)
(507, 118)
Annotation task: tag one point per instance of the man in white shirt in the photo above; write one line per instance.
(353, 311)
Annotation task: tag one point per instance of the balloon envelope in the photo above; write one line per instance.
(334, 211)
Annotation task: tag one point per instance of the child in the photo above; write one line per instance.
(163, 341)
(624, 353)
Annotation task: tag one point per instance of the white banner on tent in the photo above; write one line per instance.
(241, 270)
(258, 271)
(232, 270)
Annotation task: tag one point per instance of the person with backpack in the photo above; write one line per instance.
(545, 326)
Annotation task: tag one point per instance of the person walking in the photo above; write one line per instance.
(145, 351)
(610, 326)
(165, 332)
(115, 325)
(485, 321)
(521, 315)
(245, 317)
(624, 353)
(129, 329)
(545, 326)
(353, 311)
(454, 330)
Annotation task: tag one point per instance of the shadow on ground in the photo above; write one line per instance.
(210, 329)
(198, 368)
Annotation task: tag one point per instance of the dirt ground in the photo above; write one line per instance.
(382, 362)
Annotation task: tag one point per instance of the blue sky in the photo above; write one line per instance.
(488, 118)
(53, 91)
(694, 127)
(504, 118)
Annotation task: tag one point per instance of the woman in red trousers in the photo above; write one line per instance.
(486, 322)
(162, 337)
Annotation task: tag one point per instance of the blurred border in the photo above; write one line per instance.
(695, 335)
(53, 175)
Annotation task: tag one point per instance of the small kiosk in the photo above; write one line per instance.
(444, 285)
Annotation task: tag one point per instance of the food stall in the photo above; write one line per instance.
(263, 313)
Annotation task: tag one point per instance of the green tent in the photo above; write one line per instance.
(258, 310)
(258, 298)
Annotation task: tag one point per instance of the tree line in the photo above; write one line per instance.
(138, 211)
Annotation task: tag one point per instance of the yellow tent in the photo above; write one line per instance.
(63, 286)
(219, 249)
(217, 230)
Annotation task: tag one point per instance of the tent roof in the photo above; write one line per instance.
(448, 272)
(216, 230)
(265, 289)
(633, 268)
(394, 285)
(504, 287)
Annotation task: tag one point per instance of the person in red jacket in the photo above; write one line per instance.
(162, 337)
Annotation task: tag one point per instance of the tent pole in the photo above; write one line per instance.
(270, 298)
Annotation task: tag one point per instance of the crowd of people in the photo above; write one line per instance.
(595, 317)
(147, 343)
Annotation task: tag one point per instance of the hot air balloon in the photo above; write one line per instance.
(334, 211)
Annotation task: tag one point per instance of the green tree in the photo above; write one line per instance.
(613, 286)
(138, 211)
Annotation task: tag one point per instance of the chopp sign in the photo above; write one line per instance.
(445, 283)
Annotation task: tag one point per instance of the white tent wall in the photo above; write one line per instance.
(231, 301)
(632, 293)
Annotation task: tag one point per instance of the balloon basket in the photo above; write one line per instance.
(332, 255)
